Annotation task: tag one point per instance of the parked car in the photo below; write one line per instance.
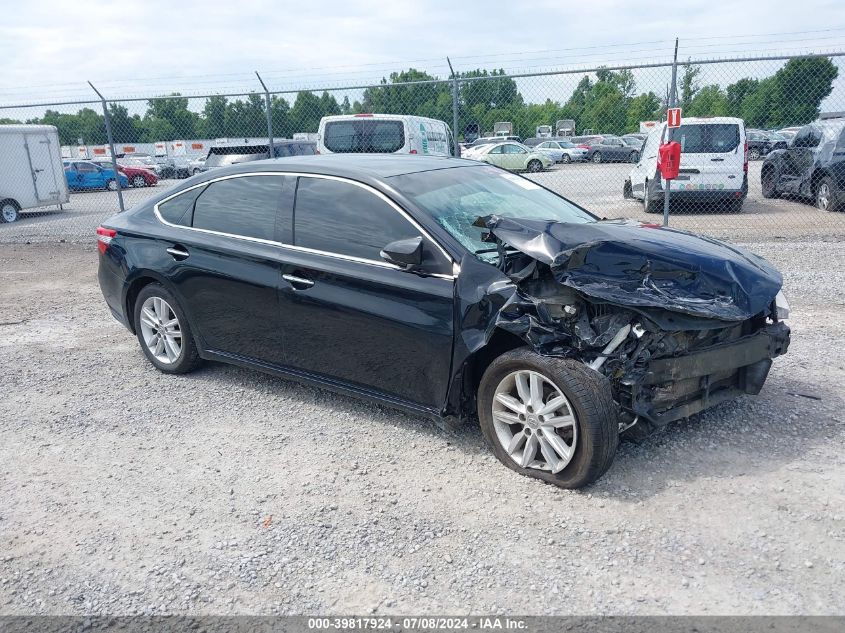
(584, 140)
(141, 161)
(609, 149)
(449, 289)
(84, 175)
(196, 164)
(137, 177)
(633, 139)
(514, 156)
(384, 134)
(813, 166)
(487, 140)
(761, 142)
(30, 169)
(713, 170)
(223, 155)
(561, 151)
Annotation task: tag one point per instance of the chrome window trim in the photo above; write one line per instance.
(372, 262)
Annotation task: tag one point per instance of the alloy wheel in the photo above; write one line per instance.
(534, 421)
(161, 330)
(823, 196)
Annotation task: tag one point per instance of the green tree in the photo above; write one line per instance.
(689, 84)
(708, 101)
(645, 107)
(280, 117)
(122, 125)
(738, 92)
(246, 118)
(306, 112)
(345, 107)
(798, 90)
(174, 111)
(214, 117)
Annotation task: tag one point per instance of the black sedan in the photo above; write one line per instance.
(451, 289)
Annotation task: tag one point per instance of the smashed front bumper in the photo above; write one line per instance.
(673, 388)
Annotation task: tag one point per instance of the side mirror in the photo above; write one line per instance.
(406, 254)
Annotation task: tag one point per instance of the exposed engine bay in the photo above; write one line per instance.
(676, 322)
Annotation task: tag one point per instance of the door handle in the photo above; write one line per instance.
(178, 253)
(717, 160)
(299, 283)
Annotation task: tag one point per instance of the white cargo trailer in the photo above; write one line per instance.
(31, 170)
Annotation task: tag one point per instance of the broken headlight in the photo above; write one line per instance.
(781, 306)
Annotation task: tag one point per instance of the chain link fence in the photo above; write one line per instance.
(582, 133)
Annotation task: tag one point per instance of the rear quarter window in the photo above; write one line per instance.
(716, 138)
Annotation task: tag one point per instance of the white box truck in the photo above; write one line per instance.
(31, 170)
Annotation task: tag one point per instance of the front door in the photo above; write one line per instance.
(350, 316)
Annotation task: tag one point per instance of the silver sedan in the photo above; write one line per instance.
(562, 151)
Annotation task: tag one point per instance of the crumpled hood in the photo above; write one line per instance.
(644, 266)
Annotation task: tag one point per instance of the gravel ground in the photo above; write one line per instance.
(596, 187)
(127, 491)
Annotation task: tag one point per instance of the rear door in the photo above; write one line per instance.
(712, 157)
(227, 266)
(794, 158)
(43, 167)
(90, 176)
(350, 316)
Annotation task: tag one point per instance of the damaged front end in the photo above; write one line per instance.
(676, 322)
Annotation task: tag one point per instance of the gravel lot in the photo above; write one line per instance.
(227, 491)
(597, 187)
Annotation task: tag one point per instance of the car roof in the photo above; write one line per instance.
(349, 165)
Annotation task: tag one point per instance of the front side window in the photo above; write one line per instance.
(344, 219)
(246, 206)
(457, 197)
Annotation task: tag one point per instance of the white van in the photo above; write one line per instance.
(31, 170)
(384, 134)
(714, 165)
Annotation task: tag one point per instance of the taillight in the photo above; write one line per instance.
(745, 159)
(104, 238)
(413, 151)
(583, 146)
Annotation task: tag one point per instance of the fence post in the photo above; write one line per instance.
(111, 148)
(457, 147)
(670, 131)
(270, 152)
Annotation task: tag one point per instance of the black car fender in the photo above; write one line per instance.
(136, 280)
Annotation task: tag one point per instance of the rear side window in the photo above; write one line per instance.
(342, 218)
(716, 138)
(245, 206)
(364, 135)
(179, 210)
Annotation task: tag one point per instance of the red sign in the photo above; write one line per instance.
(673, 117)
(670, 160)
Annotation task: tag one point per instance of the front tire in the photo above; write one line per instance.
(597, 157)
(138, 181)
(768, 183)
(549, 418)
(754, 153)
(634, 157)
(164, 332)
(566, 158)
(9, 211)
(111, 185)
(827, 198)
(534, 166)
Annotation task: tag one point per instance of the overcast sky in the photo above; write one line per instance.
(49, 48)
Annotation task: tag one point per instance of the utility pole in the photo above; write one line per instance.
(111, 147)
(457, 148)
(270, 152)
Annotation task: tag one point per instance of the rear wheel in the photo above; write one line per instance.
(649, 206)
(111, 185)
(754, 153)
(634, 157)
(566, 158)
(735, 206)
(138, 181)
(535, 165)
(549, 418)
(163, 331)
(827, 198)
(768, 183)
(9, 211)
(627, 191)
(597, 157)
